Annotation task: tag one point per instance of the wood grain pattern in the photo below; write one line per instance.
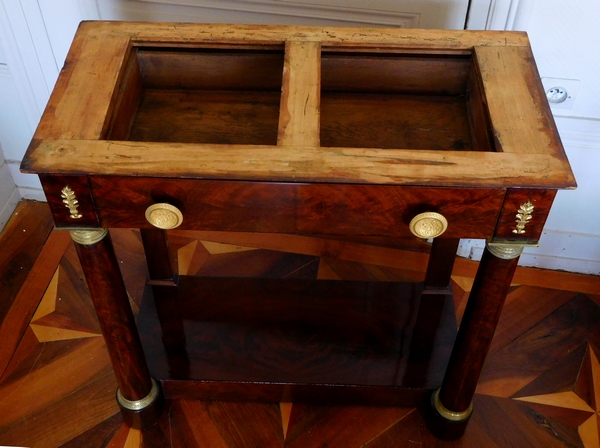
(358, 347)
(173, 33)
(24, 305)
(391, 121)
(127, 100)
(82, 101)
(116, 319)
(524, 127)
(21, 249)
(227, 117)
(367, 210)
(531, 127)
(39, 394)
(53, 186)
(301, 164)
(158, 257)
(542, 202)
(479, 117)
(477, 329)
(351, 210)
(394, 73)
(441, 262)
(212, 68)
(299, 119)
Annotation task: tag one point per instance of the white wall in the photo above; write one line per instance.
(9, 195)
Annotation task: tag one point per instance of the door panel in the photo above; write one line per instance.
(450, 14)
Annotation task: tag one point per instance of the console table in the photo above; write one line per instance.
(337, 132)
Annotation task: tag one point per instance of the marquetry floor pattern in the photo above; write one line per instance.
(540, 386)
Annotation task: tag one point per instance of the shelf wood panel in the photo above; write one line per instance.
(242, 334)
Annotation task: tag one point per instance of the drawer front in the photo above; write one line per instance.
(323, 209)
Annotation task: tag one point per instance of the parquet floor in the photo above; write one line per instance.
(540, 386)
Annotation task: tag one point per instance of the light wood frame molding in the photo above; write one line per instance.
(99, 55)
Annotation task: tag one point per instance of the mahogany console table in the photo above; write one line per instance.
(339, 132)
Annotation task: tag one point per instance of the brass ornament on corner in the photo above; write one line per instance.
(71, 202)
(523, 217)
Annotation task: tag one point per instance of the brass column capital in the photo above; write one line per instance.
(505, 251)
(88, 236)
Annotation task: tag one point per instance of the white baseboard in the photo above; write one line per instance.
(36, 194)
(23, 180)
(578, 132)
(560, 251)
(8, 207)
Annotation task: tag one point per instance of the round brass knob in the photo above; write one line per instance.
(428, 225)
(164, 216)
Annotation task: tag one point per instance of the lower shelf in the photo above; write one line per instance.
(302, 340)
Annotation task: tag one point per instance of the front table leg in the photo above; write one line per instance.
(452, 404)
(138, 395)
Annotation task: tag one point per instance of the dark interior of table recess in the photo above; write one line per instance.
(402, 101)
(368, 99)
(207, 95)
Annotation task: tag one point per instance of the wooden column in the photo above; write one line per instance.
(138, 394)
(158, 259)
(441, 262)
(452, 404)
(437, 292)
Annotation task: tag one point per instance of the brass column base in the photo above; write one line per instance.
(444, 423)
(448, 414)
(144, 413)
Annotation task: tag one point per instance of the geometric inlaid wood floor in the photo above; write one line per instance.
(540, 386)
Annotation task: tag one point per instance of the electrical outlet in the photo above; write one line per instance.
(561, 92)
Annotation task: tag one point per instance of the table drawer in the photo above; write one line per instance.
(324, 209)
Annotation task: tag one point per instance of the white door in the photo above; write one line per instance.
(398, 13)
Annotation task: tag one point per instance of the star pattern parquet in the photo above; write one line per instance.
(540, 386)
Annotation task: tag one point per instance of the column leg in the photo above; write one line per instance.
(138, 395)
(441, 263)
(156, 248)
(452, 404)
(163, 280)
(434, 297)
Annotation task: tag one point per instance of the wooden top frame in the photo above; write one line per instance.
(70, 138)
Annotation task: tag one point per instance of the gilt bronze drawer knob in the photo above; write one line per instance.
(428, 225)
(164, 216)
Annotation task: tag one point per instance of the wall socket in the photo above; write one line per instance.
(554, 88)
